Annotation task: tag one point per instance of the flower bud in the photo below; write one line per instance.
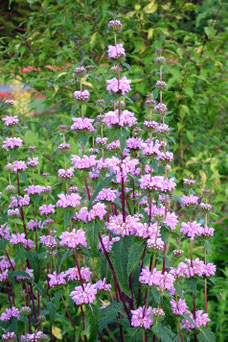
(25, 311)
(115, 25)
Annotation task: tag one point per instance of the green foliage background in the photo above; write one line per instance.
(65, 33)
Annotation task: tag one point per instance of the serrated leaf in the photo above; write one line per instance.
(92, 230)
(165, 334)
(120, 252)
(206, 335)
(108, 315)
(135, 253)
(192, 284)
(94, 316)
(68, 214)
(51, 310)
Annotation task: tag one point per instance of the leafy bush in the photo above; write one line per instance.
(91, 251)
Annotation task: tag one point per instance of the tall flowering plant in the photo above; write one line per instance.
(96, 255)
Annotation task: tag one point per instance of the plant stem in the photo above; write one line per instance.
(115, 278)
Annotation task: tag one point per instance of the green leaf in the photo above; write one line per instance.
(190, 136)
(20, 274)
(192, 284)
(206, 335)
(155, 295)
(101, 186)
(210, 32)
(92, 230)
(52, 311)
(68, 214)
(177, 198)
(64, 257)
(165, 334)
(123, 138)
(135, 253)
(120, 252)
(108, 315)
(94, 315)
(207, 246)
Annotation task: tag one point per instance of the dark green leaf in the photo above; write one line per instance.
(135, 253)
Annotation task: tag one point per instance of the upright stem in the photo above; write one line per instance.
(193, 296)
(122, 192)
(115, 278)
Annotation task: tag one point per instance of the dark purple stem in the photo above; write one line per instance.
(115, 278)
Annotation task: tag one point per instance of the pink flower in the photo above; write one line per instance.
(73, 274)
(191, 229)
(82, 124)
(160, 85)
(189, 200)
(97, 211)
(180, 307)
(3, 275)
(10, 143)
(29, 272)
(101, 141)
(73, 239)
(81, 95)
(171, 220)
(162, 128)
(4, 232)
(155, 243)
(108, 195)
(49, 242)
(207, 232)
(161, 108)
(57, 279)
(205, 206)
(116, 51)
(19, 165)
(4, 263)
(142, 317)
(83, 163)
(189, 182)
(10, 120)
(198, 268)
(157, 183)
(126, 119)
(134, 143)
(86, 296)
(115, 86)
(13, 312)
(118, 227)
(9, 336)
(34, 337)
(66, 173)
(107, 242)
(47, 209)
(19, 201)
(115, 24)
(201, 320)
(35, 189)
(101, 285)
(66, 201)
(33, 162)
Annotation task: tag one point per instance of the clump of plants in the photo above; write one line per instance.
(93, 252)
